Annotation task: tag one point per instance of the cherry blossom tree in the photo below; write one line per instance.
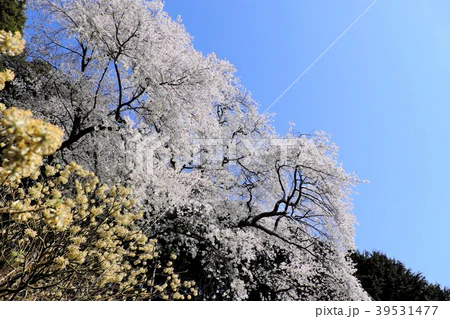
(252, 214)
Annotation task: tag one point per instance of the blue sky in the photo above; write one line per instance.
(382, 90)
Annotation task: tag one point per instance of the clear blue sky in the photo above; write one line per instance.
(383, 91)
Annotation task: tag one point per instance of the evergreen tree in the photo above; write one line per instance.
(387, 279)
(12, 15)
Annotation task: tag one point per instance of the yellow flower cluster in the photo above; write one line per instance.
(59, 217)
(21, 210)
(5, 76)
(173, 285)
(25, 141)
(11, 44)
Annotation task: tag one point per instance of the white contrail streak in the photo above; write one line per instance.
(311, 65)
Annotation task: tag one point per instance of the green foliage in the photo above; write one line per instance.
(12, 15)
(29, 81)
(386, 279)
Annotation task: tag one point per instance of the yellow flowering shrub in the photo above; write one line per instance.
(66, 236)
(63, 234)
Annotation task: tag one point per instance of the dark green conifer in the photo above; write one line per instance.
(387, 279)
(12, 15)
